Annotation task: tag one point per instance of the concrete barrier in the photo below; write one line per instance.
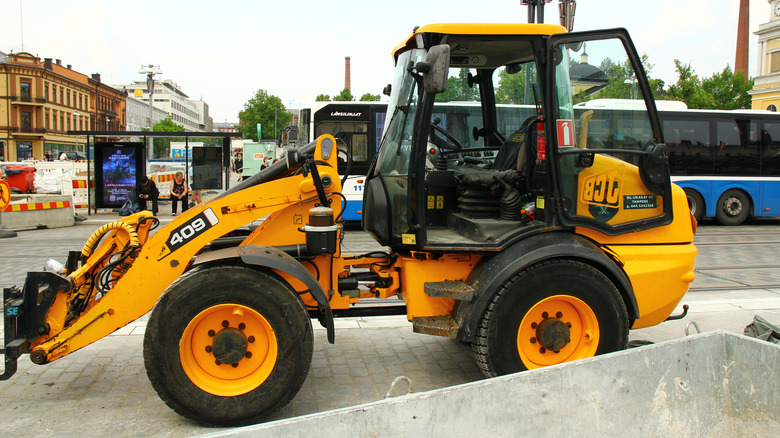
(716, 385)
(38, 211)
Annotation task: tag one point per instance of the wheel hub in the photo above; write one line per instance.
(230, 346)
(733, 206)
(553, 334)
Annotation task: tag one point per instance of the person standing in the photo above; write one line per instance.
(147, 191)
(179, 191)
(238, 165)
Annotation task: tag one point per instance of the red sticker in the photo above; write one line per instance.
(565, 133)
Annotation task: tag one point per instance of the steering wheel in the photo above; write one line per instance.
(449, 143)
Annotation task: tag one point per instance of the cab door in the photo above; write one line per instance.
(603, 137)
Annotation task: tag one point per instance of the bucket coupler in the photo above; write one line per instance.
(24, 315)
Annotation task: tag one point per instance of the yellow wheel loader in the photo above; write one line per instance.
(526, 232)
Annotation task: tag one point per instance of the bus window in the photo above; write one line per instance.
(688, 146)
(359, 147)
(737, 150)
(770, 158)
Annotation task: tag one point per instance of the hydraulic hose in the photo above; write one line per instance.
(97, 235)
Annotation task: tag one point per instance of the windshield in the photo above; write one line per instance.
(396, 145)
(393, 160)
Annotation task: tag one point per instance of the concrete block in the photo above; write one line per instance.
(716, 384)
(38, 211)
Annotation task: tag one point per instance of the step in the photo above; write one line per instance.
(436, 325)
(456, 290)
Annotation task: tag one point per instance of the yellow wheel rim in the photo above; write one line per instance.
(247, 361)
(557, 329)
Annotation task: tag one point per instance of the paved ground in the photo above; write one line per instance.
(103, 389)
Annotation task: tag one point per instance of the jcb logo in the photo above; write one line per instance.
(603, 188)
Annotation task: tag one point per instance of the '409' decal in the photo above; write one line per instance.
(189, 230)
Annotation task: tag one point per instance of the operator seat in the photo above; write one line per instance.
(510, 164)
(497, 192)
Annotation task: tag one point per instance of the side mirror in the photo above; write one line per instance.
(438, 60)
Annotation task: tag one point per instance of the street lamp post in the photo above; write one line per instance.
(150, 70)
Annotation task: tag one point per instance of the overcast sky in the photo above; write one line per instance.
(224, 51)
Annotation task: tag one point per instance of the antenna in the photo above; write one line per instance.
(21, 24)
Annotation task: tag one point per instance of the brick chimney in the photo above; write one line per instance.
(741, 59)
(347, 83)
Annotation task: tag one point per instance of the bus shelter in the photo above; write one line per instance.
(146, 135)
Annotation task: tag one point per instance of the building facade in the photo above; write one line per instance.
(138, 114)
(171, 99)
(109, 105)
(766, 91)
(225, 127)
(41, 100)
(205, 122)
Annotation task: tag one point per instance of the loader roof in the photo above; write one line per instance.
(478, 29)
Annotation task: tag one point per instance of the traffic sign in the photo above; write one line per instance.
(5, 195)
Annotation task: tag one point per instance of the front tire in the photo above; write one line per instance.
(552, 312)
(228, 345)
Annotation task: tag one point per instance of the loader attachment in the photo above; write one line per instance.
(24, 314)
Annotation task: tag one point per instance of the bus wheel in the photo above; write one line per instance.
(228, 345)
(696, 204)
(733, 207)
(552, 312)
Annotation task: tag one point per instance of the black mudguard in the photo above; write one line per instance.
(492, 272)
(274, 258)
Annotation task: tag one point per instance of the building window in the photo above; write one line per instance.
(26, 125)
(25, 90)
(62, 100)
(772, 108)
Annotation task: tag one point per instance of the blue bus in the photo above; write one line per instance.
(728, 162)
(356, 125)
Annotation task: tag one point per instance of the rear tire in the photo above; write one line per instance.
(733, 207)
(696, 204)
(552, 312)
(228, 345)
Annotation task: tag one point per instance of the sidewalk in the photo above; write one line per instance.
(103, 389)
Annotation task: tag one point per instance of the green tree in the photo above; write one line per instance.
(268, 111)
(458, 89)
(368, 97)
(688, 86)
(344, 96)
(511, 87)
(727, 90)
(322, 98)
(162, 145)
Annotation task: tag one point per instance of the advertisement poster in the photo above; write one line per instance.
(206, 167)
(118, 169)
(119, 175)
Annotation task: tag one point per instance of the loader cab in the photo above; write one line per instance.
(481, 144)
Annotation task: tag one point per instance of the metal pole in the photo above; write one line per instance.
(150, 85)
(187, 161)
(89, 176)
